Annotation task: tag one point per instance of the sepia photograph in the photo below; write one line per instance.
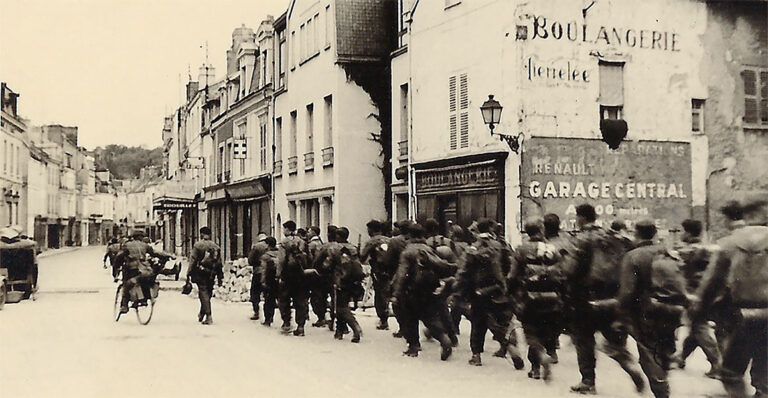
(384, 198)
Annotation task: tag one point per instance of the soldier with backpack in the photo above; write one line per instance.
(652, 300)
(292, 272)
(344, 263)
(592, 282)
(696, 258)
(536, 283)
(374, 251)
(740, 272)
(268, 263)
(204, 266)
(254, 260)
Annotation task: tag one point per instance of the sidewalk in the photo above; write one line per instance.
(65, 249)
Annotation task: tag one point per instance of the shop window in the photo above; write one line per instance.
(611, 90)
(697, 116)
(458, 111)
(755, 96)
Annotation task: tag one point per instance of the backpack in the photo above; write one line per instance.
(295, 260)
(748, 279)
(351, 276)
(425, 280)
(665, 288)
(604, 270)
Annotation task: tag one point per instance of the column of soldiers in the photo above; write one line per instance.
(594, 280)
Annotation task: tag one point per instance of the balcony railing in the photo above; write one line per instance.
(293, 163)
(328, 156)
(224, 176)
(309, 161)
(278, 168)
(402, 147)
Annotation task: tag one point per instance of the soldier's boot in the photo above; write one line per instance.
(535, 373)
(427, 334)
(514, 353)
(299, 331)
(320, 323)
(412, 351)
(714, 372)
(200, 317)
(454, 341)
(383, 325)
(501, 352)
(553, 356)
(475, 360)
(286, 328)
(446, 352)
(546, 368)
(586, 387)
(267, 322)
(357, 332)
(208, 320)
(255, 317)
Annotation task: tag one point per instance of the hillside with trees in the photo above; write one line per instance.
(126, 162)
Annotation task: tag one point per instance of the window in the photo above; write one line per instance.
(278, 139)
(458, 111)
(697, 116)
(401, 18)
(281, 60)
(328, 127)
(328, 26)
(263, 142)
(310, 128)
(265, 78)
(310, 38)
(5, 156)
(611, 90)
(755, 96)
(221, 165)
(404, 112)
(18, 160)
(294, 50)
(243, 82)
(293, 134)
(302, 43)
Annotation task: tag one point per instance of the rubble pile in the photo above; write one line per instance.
(237, 281)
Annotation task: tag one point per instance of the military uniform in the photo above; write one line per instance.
(374, 251)
(269, 283)
(322, 284)
(592, 282)
(740, 272)
(418, 275)
(652, 298)
(537, 280)
(136, 267)
(696, 257)
(294, 288)
(204, 266)
(112, 251)
(347, 275)
(481, 282)
(254, 260)
(395, 247)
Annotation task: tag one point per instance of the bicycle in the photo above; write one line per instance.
(143, 306)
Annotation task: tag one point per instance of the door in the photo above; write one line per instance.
(447, 211)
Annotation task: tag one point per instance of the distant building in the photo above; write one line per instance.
(14, 155)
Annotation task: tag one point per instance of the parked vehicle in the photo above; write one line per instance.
(18, 267)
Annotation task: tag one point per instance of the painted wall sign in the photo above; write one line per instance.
(556, 72)
(478, 175)
(544, 28)
(642, 179)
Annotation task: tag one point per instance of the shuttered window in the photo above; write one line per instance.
(458, 111)
(755, 96)
(611, 84)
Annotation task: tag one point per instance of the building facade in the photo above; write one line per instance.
(15, 155)
(567, 76)
(332, 113)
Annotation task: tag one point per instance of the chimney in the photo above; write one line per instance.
(192, 88)
(206, 75)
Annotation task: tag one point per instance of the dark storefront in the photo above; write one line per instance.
(237, 213)
(169, 207)
(461, 190)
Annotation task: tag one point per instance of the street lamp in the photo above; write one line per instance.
(491, 110)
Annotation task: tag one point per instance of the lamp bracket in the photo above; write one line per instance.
(513, 141)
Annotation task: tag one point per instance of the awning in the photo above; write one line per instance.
(252, 191)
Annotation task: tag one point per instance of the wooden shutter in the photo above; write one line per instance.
(452, 107)
(611, 84)
(463, 111)
(750, 93)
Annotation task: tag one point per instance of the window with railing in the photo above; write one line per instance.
(293, 163)
(309, 161)
(327, 154)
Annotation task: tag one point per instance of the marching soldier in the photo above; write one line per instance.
(254, 260)
(374, 252)
(322, 289)
(481, 281)
(268, 263)
(592, 284)
(418, 275)
(536, 279)
(113, 249)
(652, 299)
(344, 264)
(395, 248)
(204, 266)
(318, 296)
(293, 282)
(739, 271)
(696, 257)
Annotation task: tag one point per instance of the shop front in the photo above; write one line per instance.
(179, 221)
(461, 190)
(237, 213)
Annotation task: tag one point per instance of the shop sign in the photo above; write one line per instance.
(173, 205)
(641, 179)
(478, 175)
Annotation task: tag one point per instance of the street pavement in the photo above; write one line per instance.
(66, 344)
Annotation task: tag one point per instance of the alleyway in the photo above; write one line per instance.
(66, 344)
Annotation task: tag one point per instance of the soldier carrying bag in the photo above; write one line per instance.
(748, 279)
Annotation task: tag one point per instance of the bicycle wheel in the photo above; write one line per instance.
(118, 297)
(144, 311)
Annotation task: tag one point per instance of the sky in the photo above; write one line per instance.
(115, 68)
